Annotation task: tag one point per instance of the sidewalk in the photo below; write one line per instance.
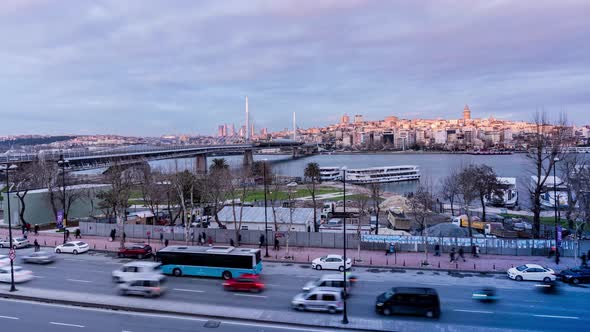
(366, 258)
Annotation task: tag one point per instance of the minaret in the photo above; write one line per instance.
(247, 121)
(294, 127)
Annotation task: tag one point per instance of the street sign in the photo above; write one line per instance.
(12, 254)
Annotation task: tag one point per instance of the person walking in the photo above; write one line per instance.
(124, 236)
(36, 228)
(166, 243)
(276, 247)
(437, 249)
(36, 245)
(239, 240)
(462, 254)
(204, 237)
(452, 254)
(67, 234)
(584, 259)
(78, 234)
(161, 237)
(231, 242)
(261, 241)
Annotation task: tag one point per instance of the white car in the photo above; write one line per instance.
(531, 272)
(331, 262)
(72, 247)
(17, 242)
(20, 274)
(134, 270)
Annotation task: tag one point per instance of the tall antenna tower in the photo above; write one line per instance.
(294, 127)
(247, 121)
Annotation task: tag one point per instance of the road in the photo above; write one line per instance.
(522, 306)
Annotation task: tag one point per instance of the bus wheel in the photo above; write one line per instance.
(176, 272)
(226, 275)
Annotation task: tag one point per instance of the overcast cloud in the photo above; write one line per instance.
(155, 67)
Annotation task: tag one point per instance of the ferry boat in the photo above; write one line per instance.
(509, 198)
(551, 192)
(383, 174)
(330, 174)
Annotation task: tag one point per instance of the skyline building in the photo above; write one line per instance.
(345, 119)
(466, 113)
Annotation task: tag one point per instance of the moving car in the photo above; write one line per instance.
(577, 275)
(20, 274)
(329, 280)
(17, 242)
(409, 301)
(137, 250)
(72, 247)
(320, 299)
(331, 262)
(531, 272)
(39, 257)
(245, 282)
(146, 286)
(486, 294)
(136, 270)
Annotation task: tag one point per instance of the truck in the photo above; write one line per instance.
(462, 221)
(497, 229)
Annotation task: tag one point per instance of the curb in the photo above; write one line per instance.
(170, 312)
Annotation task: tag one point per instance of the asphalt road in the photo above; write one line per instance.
(521, 306)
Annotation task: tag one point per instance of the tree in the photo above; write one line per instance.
(183, 184)
(239, 188)
(217, 185)
(467, 191)
(376, 193)
(487, 185)
(362, 202)
(450, 189)
(420, 203)
(25, 179)
(153, 190)
(116, 199)
(312, 174)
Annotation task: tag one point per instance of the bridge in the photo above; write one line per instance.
(79, 160)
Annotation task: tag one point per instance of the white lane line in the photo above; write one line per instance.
(38, 277)
(552, 316)
(51, 267)
(78, 280)
(188, 290)
(66, 324)
(250, 295)
(474, 311)
(9, 317)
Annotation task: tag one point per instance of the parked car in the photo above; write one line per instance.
(145, 286)
(20, 274)
(138, 250)
(320, 299)
(577, 275)
(72, 247)
(532, 272)
(245, 282)
(135, 270)
(39, 257)
(409, 301)
(331, 262)
(329, 280)
(17, 242)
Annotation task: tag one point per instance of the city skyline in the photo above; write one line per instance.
(108, 68)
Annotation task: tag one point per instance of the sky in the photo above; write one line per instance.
(147, 67)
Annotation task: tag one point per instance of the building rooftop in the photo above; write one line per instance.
(256, 214)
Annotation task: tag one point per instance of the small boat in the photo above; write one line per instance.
(509, 197)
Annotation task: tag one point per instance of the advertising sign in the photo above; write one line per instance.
(60, 219)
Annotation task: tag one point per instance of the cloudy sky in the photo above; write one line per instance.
(143, 67)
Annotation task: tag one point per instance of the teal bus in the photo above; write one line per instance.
(217, 261)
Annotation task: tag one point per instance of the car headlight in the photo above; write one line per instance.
(379, 304)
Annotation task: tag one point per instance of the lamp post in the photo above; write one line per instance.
(265, 208)
(12, 288)
(62, 163)
(344, 312)
(555, 205)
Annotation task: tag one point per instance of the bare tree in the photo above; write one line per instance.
(59, 184)
(450, 189)
(24, 180)
(420, 203)
(376, 193)
(312, 174)
(116, 199)
(239, 188)
(183, 184)
(362, 202)
(468, 191)
(487, 185)
(153, 190)
(217, 185)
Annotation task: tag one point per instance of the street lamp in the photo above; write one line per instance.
(12, 288)
(265, 208)
(344, 312)
(62, 163)
(556, 203)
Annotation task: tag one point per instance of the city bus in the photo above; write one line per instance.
(217, 261)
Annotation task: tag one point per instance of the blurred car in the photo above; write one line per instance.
(245, 282)
(135, 270)
(20, 274)
(4, 260)
(409, 301)
(138, 250)
(531, 272)
(331, 262)
(329, 280)
(17, 242)
(550, 287)
(39, 257)
(320, 299)
(72, 247)
(577, 275)
(144, 286)
(486, 294)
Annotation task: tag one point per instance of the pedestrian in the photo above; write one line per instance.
(477, 251)
(166, 243)
(452, 254)
(276, 247)
(25, 234)
(28, 227)
(462, 254)
(437, 249)
(193, 238)
(261, 241)
(202, 240)
(557, 257)
(114, 234)
(231, 242)
(67, 234)
(204, 237)
(551, 252)
(36, 229)
(78, 235)
(124, 236)
(36, 245)
(239, 240)
(210, 241)
(584, 259)
(161, 237)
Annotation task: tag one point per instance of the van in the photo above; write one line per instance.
(136, 270)
(320, 299)
(409, 301)
(329, 280)
(148, 287)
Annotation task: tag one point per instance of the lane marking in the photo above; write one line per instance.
(553, 316)
(474, 311)
(9, 317)
(66, 324)
(78, 280)
(188, 290)
(38, 277)
(251, 295)
(51, 267)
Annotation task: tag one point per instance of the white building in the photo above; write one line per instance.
(253, 218)
(440, 137)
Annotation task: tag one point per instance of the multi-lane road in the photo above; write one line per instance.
(522, 306)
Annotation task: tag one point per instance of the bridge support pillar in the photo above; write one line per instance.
(201, 165)
(296, 152)
(248, 157)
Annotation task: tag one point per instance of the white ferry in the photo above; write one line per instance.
(330, 174)
(383, 174)
(551, 192)
(509, 198)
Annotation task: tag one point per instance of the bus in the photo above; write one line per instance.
(217, 261)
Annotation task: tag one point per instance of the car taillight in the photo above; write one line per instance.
(226, 284)
(259, 285)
